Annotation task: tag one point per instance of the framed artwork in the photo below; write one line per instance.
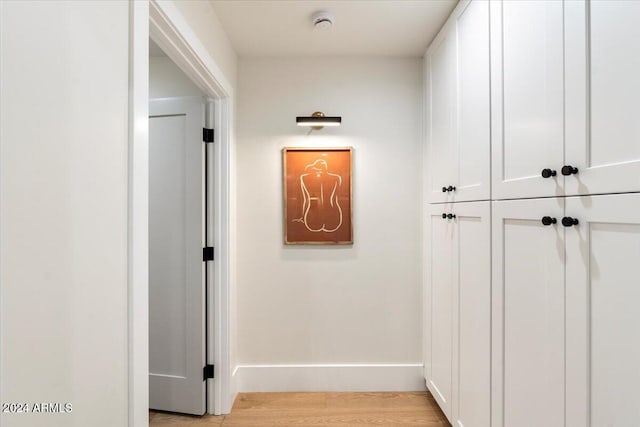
(317, 196)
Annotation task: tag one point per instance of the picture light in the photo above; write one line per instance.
(318, 120)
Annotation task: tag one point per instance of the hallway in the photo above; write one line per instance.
(318, 409)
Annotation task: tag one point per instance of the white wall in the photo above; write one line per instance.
(313, 306)
(63, 210)
(166, 80)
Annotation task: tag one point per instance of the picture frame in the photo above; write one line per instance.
(317, 193)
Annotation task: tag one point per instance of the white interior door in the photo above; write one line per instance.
(528, 314)
(602, 69)
(527, 98)
(603, 290)
(439, 296)
(176, 269)
(471, 397)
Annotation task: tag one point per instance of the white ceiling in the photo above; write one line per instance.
(361, 27)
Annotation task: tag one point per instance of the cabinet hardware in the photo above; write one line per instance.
(451, 216)
(444, 216)
(567, 221)
(548, 173)
(569, 170)
(450, 188)
(444, 189)
(547, 220)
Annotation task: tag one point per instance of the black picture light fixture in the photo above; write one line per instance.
(318, 120)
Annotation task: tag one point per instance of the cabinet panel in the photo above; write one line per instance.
(458, 107)
(472, 315)
(528, 314)
(439, 297)
(603, 88)
(527, 98)
(472, 122)
(603, 338)
(458, 310)
(440, 110)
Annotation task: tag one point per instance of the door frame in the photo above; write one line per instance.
(164, 23)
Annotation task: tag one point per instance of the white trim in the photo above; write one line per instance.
(220, 333)
(1, 219)
(168, 28)
(172, 33)
(329, 377)
(211, 122)
(234, 384)
(138, 215)
(163, 22)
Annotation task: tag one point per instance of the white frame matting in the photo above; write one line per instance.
(167, 27)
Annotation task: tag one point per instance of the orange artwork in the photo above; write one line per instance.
(317, 196)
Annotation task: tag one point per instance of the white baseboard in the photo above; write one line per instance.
(233, 387)
(348, 377)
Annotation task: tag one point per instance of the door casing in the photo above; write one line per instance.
(163, 22)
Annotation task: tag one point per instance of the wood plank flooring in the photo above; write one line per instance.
(318, 409)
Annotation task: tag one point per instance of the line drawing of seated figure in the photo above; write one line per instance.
(321, 210)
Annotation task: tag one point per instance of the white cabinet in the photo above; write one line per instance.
(528, 314)
(440, 99)
(557, 321)
(471, 398)
(602, 93)
(526, 98)
(439, 255)
(458, 107)
(564, 91)
(472, 121)
(458, 310)
(566, 342)
(603, 319)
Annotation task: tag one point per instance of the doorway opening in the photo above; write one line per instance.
(180, 135)
(163, 23)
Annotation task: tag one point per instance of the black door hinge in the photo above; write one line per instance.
(207, 253)
(207, 135)
(207, 372)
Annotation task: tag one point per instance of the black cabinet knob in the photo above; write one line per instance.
(444, 216)
(450, 188)
(567, 221)
(547, 220)
(444, 189)
(548, 173)
(451, 216)
(568, 170)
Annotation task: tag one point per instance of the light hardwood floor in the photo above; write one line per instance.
(318, 409)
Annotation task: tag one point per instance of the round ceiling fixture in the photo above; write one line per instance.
(322, 20)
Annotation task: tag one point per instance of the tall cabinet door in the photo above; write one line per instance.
(440, 104)
(472, 121)
(440, 234)
(603, 291)
(603, 88)
(528, 314)
(527, 98)
(472, 315)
